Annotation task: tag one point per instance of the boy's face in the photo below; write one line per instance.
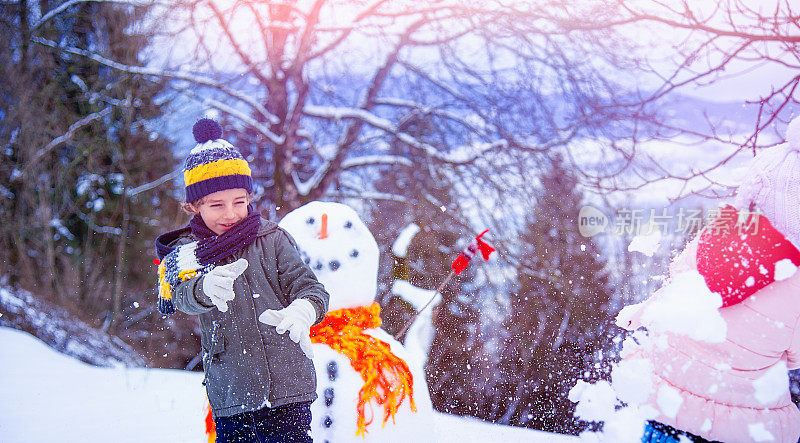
(223, 209)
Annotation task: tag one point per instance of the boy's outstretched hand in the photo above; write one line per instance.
(296, 318)
(218, 283)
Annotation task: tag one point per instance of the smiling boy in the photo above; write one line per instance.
(228, 266)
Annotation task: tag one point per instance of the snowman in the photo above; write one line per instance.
(369, 387)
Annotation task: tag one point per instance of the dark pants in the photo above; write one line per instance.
(657, 432)
(289, 423)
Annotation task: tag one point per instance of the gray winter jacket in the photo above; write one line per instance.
(247, 364)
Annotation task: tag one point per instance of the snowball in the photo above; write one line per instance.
(759, 433)
(627, 424)
(784, 269)
(772, 385)
(632, 380)
(686, 306)
(595, 402)
(647, 244)
(669, 400)
(750, 281)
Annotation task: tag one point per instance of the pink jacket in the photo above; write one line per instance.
(732, 391)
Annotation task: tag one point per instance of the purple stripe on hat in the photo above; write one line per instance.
(198, 190)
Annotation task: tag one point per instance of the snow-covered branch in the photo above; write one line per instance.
(376, 160)
(150, 185)
(464, 155)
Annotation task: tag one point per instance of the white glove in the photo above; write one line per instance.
(218, 283)
(296, 318)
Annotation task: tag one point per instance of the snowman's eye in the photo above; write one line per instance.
(310, 220)
(348, 224)
(318, 265)
(334, 265)
(354, 253)
(307, 260)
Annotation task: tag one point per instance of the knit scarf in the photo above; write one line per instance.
(387, 378)
(198, 257)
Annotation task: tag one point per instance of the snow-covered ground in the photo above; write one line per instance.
(46, 396)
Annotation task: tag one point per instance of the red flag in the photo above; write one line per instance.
(477, 244)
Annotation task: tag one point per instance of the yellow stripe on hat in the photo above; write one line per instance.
(215, 169)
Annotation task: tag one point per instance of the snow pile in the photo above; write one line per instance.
(647, 243)
(618, 405)
(20, 309)
(684, 306)
(598, 403)
(39, 389)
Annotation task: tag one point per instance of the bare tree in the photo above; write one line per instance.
(716, 40)
(317, 90)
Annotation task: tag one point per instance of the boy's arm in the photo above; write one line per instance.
(295, 278)
(190, 298)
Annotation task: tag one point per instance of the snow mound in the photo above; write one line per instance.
(21, 310)
(134, 405)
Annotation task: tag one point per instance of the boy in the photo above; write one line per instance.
(229, 266)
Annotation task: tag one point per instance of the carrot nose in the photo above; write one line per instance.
(323, 230)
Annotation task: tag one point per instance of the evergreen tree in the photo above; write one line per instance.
(80, 140)
(560, 311)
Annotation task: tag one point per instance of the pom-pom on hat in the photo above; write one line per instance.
(772, 183)
(214, 164)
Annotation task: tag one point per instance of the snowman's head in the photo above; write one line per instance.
(338, 247)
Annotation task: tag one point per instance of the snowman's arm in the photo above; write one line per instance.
(295, 278)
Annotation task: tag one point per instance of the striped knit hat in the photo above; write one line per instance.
(214, 164)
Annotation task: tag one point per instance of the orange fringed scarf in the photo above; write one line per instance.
(387, 378)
